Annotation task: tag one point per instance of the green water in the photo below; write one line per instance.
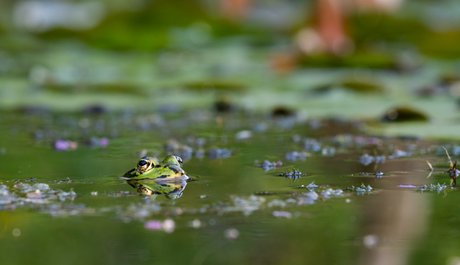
(156, 70)
(108, 227)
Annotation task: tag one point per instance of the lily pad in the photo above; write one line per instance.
(216, 84)
(403, 114)
(362, 86)
(358, 59)
(102, 88)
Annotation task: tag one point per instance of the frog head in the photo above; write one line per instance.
(173, 160)
(146, 164)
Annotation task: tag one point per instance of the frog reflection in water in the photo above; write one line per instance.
(172, 189)
(152, 178)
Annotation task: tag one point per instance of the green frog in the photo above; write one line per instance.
(149, 168)
(145, 164)
(172, 160)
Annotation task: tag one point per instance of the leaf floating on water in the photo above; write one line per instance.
(216, 85)
(362, 87)
(357, 86)
(403, 114)
(359, 58)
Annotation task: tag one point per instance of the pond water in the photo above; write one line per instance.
(234, 211)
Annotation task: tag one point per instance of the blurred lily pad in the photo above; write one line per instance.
(148, 28)
(374, 28)
(358, 59)
(362, 86)
(101, 88)
(403, 114)
(358, 86)
(216, 84)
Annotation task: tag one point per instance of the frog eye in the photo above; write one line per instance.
(179, 160)
(144, 165)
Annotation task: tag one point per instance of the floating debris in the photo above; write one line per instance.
(328, 151)
(399, 153)
(200, 153)
(168, 225)
(231, 233)
(263, 193)
(407, 186)
(260, 127)
(277, 203)
(186, 152)
(23, 194)
(292, 174)
(361, 189)
(328, 193)
(367, 159)
(244, 204)
(196, 223)
(361, 141)
(173, 147)
(153, 225)
(64, 210)
(371, 241)
(314, 124)
(243, 135)
(307, 198)
(281, 214)
(267, 165)
(96, 142)
(438, 188)
(311, 185)
(455, 150)
(294, 155)
(62, 145)
(453, 171)
(215, 152)
(312, 145)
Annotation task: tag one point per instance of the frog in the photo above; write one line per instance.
(145, 164)
(172, 160)
(149, 168)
